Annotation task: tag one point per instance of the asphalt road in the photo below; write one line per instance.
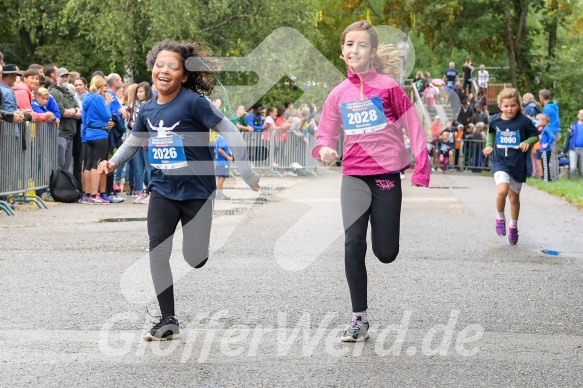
(458, 307)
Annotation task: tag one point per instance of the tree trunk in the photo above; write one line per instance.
(514, 30)
(553, 24)
(510, 39)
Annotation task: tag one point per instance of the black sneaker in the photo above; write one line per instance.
(166, 329)
(357, 331)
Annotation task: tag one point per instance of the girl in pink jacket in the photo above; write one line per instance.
(371, 109)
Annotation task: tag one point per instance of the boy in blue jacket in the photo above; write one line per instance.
(546, 140)
(44, 103)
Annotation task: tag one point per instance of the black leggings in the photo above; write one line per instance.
(95, 151)
(378, 198)
(195, 216)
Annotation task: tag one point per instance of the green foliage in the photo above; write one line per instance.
(115, 35)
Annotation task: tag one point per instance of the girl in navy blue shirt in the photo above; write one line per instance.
(510, 136)
(176, 123)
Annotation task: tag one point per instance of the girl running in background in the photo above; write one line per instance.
(372, 109)
(511, 134)
(176, 124)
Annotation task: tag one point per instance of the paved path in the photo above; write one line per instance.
(458, 307)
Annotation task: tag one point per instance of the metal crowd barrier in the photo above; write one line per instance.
(472, 156)
(28, 154)
(276, 151)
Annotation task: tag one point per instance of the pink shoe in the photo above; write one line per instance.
(139, 199)
(146, 200)
(116, 187)
(512, 236)
(100, 201)
(501, 227)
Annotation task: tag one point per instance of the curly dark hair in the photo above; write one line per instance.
(198, 81)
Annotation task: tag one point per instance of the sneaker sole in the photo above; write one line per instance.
(351, 339)
(149, 337)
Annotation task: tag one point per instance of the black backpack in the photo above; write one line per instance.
(63, 186)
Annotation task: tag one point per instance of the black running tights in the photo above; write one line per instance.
(376, 198)
(195, 216)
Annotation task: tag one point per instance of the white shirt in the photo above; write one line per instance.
(483, 78)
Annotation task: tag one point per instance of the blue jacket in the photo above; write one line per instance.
(547, 137)
(53, 107)
(572, 134)
(10, 104)
(552, 110)
(50, 107)
(531, 109)
(256, 122)
(95, 116)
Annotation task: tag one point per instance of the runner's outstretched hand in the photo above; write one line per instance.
(254, 186)
(328, 155)
(106, 167)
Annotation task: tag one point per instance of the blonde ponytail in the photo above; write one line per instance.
(387, 61)
(96, 83)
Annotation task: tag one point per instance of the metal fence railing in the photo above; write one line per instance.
(28, 154)
(472, 156)
(276, 151)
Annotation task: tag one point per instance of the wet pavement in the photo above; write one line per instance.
(459, 306)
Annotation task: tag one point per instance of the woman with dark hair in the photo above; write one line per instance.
(80, 85)
(176, 124)
(24, 91)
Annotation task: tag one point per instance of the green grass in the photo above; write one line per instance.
(570, 189)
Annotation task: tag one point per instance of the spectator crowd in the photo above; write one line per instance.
(94, 117)
(465, 129)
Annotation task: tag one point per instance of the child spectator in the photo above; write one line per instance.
(546, 140)
(269, 123)
(458, 143)
(45, 103)
(429, 94)
(444, 148)
(512, 133)
(451, 140)
(436, 130)
(222, 161)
